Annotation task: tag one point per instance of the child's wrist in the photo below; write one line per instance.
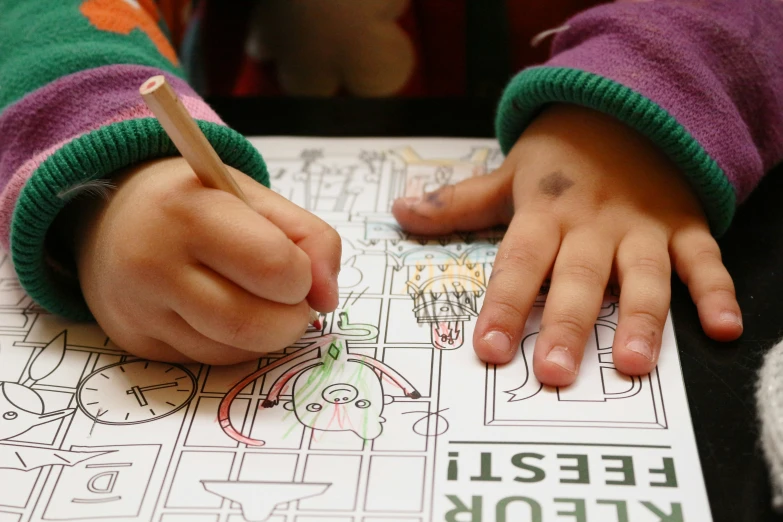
(65, 237)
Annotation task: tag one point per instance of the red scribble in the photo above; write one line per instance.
(225, 405)
(391, 376)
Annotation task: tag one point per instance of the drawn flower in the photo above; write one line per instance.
(123, 16)
(320, 47)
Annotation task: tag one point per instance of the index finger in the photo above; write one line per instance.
(315, 237)
(524, 258)
(246, 248)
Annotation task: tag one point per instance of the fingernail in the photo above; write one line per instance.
(730, 317)
(560, 356)
(498, 341)
(641, 347)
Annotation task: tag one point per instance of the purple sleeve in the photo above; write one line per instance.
(704, 80)
(71, 114)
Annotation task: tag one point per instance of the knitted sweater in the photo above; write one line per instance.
(702, 80)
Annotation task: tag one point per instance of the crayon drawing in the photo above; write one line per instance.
(371, 417)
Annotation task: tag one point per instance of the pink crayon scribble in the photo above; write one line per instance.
(225, 405)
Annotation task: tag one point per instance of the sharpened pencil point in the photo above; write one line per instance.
(315, 319)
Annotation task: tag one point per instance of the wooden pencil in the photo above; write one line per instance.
(192, 144)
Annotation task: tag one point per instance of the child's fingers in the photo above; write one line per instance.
(644, 272)
(171, 339)
(323, 246)
(247, 249)
(226, 313)
(178, 335)
(579, 280)
(319, 241)
(296, 222)
(522, 262)
(148, 348)
(472, 204)
(697, 260)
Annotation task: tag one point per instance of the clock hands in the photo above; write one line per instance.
(130, 402)
(158, 386)
(138, 391)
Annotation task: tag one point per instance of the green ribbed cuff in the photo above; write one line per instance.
(532, 89)
(92, 156)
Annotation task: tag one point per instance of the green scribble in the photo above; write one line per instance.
(324, 372)
(321, 372)
(293, 425)
(315, 381)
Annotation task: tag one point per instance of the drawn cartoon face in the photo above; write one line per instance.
(340, 394)
(21, 409)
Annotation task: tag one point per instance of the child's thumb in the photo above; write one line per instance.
(323, 247)
(472, 204)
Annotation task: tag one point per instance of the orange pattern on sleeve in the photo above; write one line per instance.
(123, 16)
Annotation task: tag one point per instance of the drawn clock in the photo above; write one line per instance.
(134, 392)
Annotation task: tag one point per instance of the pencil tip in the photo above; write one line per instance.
(315, 319)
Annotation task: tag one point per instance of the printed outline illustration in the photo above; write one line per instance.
(116, 484)
(329, 394)
(26, 458)
(21, 402)
(243, 445)
(21, 407)
(92, 389)
(256, 504)
(531, 388)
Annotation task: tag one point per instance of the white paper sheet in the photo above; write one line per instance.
(395, 418)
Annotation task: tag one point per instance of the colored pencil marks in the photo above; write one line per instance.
(346, 424)
(323, 429)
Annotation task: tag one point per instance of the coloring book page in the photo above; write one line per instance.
(383, 415)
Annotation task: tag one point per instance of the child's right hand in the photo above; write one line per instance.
(175, 271)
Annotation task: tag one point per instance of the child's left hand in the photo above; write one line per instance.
(586, 199)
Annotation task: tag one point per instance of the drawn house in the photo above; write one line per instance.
(421, 175)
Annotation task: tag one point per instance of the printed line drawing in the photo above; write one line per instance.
(26, 458)
(114, 484)
(335, 391)
(258, 499)
(427, 175)
(21, 407)
(348, 423)
(582, 404)
(133, 392)
(16, 307)
(431, 424)
(445, 288)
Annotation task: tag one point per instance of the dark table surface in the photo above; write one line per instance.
(720, 378)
